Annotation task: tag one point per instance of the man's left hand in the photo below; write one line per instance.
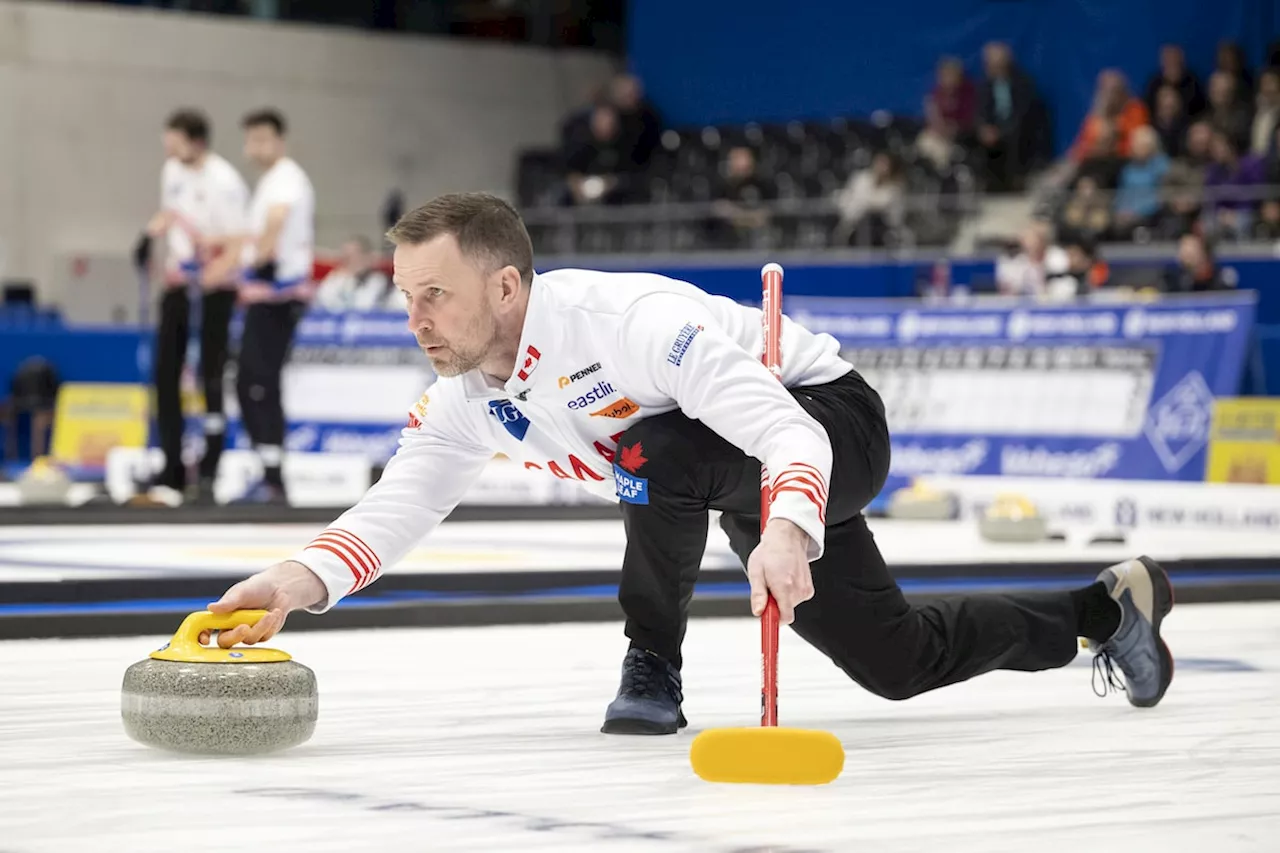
(780, 565)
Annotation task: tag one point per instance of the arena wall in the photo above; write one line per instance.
(84, 92)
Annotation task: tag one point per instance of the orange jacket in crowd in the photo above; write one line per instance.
(1133, 116)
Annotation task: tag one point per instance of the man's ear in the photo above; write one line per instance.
(511, 282)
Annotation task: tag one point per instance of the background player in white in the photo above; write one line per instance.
(277, 286)
(652, 391)
(202, 215)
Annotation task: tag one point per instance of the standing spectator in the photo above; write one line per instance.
(872, 204)
(1231, 59)
(1170, 121)
(641, 126)
(1227, 112)
(1138, 199)
(1267, 114)
(1112, 104)
(1174, 73)
(1006, 106)
(595, 163)
(950, 111)
(355, 284)
(1232, 184)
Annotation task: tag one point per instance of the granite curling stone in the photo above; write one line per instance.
(190, 698)
(921, 502)
(1012, 518)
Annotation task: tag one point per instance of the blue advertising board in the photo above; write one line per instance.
(1080, 390)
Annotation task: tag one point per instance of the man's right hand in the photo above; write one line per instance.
(279, 590)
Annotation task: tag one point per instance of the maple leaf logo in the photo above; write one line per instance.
(632, 458)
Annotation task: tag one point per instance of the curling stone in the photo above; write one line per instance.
(187, 697)
(922, 503)
(43, 483)
(1012, 518)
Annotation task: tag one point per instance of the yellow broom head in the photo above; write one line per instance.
(767, 755)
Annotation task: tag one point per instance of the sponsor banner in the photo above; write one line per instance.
(91, 418)
(1244, 446)
(1124, 504)
(1079, 390)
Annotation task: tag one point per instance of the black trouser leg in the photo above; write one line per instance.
(858, 616)
(170, 357)
(214, 331)
(264, 348)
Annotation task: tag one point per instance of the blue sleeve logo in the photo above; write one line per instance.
(681, 346)
(630, 488)
(510, 417)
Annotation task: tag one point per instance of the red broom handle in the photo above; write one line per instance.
(771, 322)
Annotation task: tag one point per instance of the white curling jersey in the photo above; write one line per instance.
(286, 183)
(209, 201)
(599, 352)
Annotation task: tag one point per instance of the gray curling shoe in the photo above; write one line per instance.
(1145, 596)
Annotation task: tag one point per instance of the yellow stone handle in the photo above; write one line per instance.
(187, 638)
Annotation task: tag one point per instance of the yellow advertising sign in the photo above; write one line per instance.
(92, 418)
(1244, 444)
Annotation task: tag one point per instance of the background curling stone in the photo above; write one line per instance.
(922, 503)
(43, 484)
(244, 700)
(1012, 518)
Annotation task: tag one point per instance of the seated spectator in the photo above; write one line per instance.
(1006, 105)
(1170, 121)
(1174, 74)
(1196, 270)
(1083, 274)
(1026, 273)
(1102, 162)
(641, 124)
(1266, 115)
(1138, 201)
(1087, 213)
(872, 204)
(1267, 227)
(1231, 60)
(950, 111)
(1112, 105)
(1227, 112)
(739, 216)
(1232, 185)
(354, 285)
(595, 164)
(1184, 182)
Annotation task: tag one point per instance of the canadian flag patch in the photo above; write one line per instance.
(531, 357)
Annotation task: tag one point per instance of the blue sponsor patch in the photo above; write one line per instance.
(630, 488)
(681, 346)
(510, 418)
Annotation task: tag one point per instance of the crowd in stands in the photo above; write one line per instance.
(1183, 155)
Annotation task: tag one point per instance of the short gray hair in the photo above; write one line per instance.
(486, 228)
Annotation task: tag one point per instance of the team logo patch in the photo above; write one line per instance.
(630, 488)
(632, 458)
(510, 418)
(681, 346)
(624, 408)
(531, 358)
(565, 381)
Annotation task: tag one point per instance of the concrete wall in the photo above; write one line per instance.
(84, 92)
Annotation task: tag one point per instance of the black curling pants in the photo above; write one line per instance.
(216, 308)
(858, 617)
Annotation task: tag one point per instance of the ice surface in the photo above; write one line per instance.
(486, 739)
